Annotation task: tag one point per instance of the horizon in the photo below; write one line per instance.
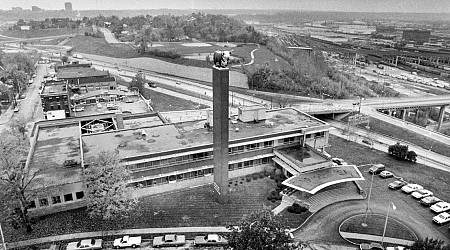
(362, 6)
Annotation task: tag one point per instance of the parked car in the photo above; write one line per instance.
(210, 240)
(376, 169)
(111, 106)
(430, 200)
(127, 241)
(397, 184)
(339, 161)
(411, 188)
(129, 100)
(78, 109)
(386, 174)
(99, 105)
(71, 163)
(440, 207)
(169, 240)
(442, 218)
(396, 248)
(371, 246)
(85, 244)
(419, 194)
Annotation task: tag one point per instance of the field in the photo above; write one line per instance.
(43, 32)
(354, 153)
(99, 46)
(163, 103)
(385, 128)
(190, 207)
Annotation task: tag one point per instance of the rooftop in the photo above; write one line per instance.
(95, 93)
(69, 73)
(55, 145)
(131, 142)
(312, 182)
(56, 89)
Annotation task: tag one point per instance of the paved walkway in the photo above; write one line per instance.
(376, 238)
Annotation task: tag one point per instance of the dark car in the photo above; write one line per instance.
(376, 169)
(71, 163)
(397, 184)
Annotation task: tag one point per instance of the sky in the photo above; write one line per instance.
(417, 6)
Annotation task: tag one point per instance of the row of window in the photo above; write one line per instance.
(43, 202)
(197, 173)
(209, 154)
(98, 87)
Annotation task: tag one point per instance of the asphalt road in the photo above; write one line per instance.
(323, 226)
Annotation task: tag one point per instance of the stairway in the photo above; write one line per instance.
(323, 199)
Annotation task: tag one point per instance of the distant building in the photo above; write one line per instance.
(356, 29)
(68, 6)
(16, 8)
(25, 27)
(35, 8)
(416, 36)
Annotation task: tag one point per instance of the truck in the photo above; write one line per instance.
(127, 241)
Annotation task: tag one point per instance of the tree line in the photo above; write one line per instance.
(48, 23)
(310, 75)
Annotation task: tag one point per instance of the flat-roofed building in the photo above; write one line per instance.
(55, 96)
(165, 156)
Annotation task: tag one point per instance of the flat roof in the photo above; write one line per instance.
(56, 89)
(55, 145)
(190, 134)
(314, 181)
(94, 93)
(68, 73)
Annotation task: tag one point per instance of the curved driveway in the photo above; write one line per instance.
(323, 226)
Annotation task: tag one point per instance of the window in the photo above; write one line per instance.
(68, 197)
(43, 202)
(149, 183)
(268, 144)
(186, 175)
(319, 134)
(32, 204)
(200, 173)
(239, 165)
(56, 199)
(230, 167)
(308, 136)
(157, 181)
(79, 195)
(208, 171)
(265, 160)
(288, 140)
(180, 177)
(172, 178)
(240, 149)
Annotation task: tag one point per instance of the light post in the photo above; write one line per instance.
(385, 223)
(364, 224)
(360, 99)
(3, 238)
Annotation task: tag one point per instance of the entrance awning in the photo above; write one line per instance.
(312, 182)
(285, 166)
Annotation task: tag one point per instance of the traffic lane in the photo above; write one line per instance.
(380, 191)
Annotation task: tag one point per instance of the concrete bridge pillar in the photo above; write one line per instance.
(416, 116)
(441, 117)
(403, 114)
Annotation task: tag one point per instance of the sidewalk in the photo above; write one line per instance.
(66, 237)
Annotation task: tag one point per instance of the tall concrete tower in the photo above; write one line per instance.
(221, 82)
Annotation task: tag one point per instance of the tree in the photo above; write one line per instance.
(19, 125)
(108, 195)
(428, 244)
(16, 179)
(64, 59)
(411, 156)
(260, 230)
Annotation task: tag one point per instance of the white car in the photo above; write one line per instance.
(411, 188)
(386, 174)
(127, 241)
(441, 218)
(419, 194)
(440, 207)
(85, 244)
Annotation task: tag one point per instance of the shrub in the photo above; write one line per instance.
(255, 176)
(261, 175)
(297, 208)
(248, 178)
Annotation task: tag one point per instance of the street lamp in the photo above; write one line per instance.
(364, 224)
(385, 223)
(3, 238)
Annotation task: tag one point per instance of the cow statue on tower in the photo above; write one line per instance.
(221, 58)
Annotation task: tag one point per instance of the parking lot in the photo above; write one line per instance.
(380, 191)
(132, 105)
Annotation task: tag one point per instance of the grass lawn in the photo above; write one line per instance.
(162, 102)
(375, 226)
(433, 179)
(190, 207)
(99, 46)
(43, 32)
(423, 141)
